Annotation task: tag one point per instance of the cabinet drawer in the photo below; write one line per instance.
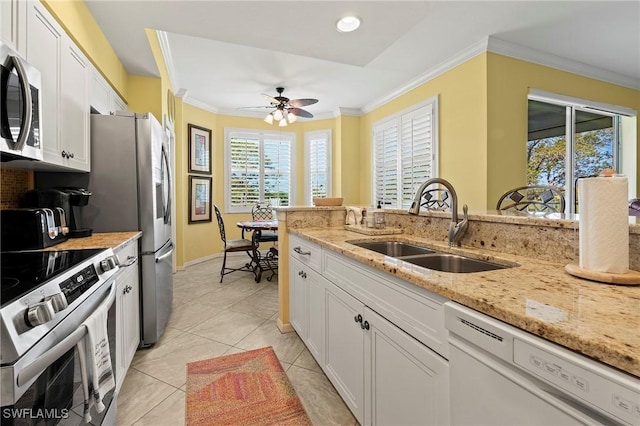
(413, 309)
(305, 251)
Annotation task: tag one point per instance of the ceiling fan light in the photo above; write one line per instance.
(282, 123)
(277, 114)
(292, 117)
(348, 24)
(269, 118)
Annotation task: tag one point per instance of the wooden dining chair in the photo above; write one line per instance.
(264, 211)
(231, 246)
(533, 199)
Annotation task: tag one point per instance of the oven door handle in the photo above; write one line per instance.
(46, 359)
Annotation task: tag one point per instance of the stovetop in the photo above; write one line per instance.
(24, 271)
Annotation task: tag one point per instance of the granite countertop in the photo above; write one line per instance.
(601, 321)
(111, 240)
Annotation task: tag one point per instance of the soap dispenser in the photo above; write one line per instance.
(378, 216)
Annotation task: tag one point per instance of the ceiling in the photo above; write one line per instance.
(224, 54)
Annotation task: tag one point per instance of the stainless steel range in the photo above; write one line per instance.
(45, 297)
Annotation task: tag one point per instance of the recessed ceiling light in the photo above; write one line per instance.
(348, 24)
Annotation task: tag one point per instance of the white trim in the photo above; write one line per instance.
(198, 104)
(326, 133)
(528, 54)
(432, 100)
(163, 40)
(200, 260)
(554, 98)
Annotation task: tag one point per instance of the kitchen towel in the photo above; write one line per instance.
(98, 355)
(604, 224)
(358, 214)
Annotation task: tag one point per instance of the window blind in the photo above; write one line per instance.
(404, 155)
(318, 165)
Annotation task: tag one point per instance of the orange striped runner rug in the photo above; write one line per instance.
(247, 388)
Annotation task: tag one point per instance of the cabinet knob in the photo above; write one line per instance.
(365, 325)
(358, 318)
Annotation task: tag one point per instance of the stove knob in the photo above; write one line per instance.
(58, 301)
(39, 313)
(109, 263)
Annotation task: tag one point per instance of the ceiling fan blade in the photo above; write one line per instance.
(297, 103)
(259, 106)
(300, 112)
(270, 99)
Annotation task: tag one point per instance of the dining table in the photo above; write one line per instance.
(261, 262)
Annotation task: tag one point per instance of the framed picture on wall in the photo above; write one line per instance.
(199, 150)
(199, 199)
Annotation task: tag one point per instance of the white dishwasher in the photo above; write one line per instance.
(501, 375)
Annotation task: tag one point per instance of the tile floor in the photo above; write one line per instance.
(210, 319)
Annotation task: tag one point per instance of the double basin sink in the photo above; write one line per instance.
(427, 258)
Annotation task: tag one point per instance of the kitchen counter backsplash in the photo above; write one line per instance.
(551, 238)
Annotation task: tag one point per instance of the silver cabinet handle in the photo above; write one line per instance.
(130, 261)
(299, 251)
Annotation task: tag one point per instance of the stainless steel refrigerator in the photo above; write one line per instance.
(131, 186)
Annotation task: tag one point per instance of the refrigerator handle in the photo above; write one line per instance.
(167, 254)
(167, 208)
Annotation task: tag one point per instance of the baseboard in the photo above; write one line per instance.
(284, 328)
(200, 260)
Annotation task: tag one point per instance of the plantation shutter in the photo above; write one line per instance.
(386, 163)
(244, 171)
(277, 170)
(318, 167)
(417, 153)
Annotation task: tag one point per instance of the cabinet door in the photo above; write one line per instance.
(344, 348)
(315, 315)
(74, 103)
(44, 45)
(99, 93)
(117, 104)
(13, 24)
(298, 297)
(406, 382)
(127, 320)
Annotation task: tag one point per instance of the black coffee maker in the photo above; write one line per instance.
(70, 199)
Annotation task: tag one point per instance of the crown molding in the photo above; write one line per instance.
(539, 57)
(163, 40)
(199, 104)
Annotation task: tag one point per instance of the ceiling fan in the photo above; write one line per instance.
(285, 110)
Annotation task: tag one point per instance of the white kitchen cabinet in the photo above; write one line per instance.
(13, 24)
(406, 383)
(306, 296)
(102, 98)
(344, 348)
(127, 310)
(117, 104)
(65, 90)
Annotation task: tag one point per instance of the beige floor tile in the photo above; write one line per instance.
(190, 315)
(170, 412)
(286, 346)
(168, 361)
(224, 298)
(227, 327)
(138, 395)
(306, 360)
(263, 303)
(319, 398)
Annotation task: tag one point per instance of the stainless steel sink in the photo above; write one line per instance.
(393, 248)
(445, 262)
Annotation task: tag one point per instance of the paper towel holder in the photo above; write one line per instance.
(630, 278)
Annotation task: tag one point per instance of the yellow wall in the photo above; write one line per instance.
(77, 20)
(348, 160)
(509, 81)
(462, 130)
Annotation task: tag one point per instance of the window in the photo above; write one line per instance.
(317, 155)
(404, 154)
(258, 168)
(569, 139)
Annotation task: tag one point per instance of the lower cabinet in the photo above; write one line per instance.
(127, 312)
(384, 375)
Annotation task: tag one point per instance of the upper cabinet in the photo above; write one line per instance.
(65, 88)
(71, 86)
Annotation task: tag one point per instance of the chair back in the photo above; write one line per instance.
(262, 211)
(533, 199)
(436, 198)
(220, 225)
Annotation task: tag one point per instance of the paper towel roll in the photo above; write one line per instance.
(604, 224)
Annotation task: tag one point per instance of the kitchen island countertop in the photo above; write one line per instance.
(601, 321)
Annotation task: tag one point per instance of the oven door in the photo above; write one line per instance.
(47, 382)
(20, 107)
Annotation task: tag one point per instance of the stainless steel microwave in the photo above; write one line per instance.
(20, 107)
